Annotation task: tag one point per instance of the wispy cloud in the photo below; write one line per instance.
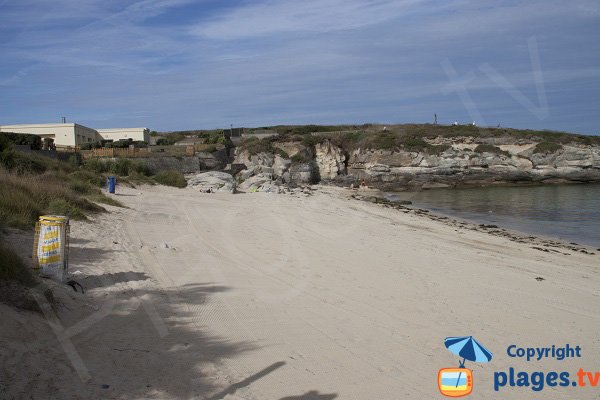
(186, 63)
(288, 16)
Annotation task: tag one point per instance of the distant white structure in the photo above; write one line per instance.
(63, 135)
(72, 134)
(141, 134)
(260, 133)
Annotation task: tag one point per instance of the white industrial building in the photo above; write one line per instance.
(72, 135)
(141, 134)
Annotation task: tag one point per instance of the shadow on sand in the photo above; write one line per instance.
(151, 344)
(312, 395)
(246, 382)
(109, 279)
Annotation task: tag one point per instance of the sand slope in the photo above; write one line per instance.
(261, 296)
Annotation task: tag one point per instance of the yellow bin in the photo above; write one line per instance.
(51, 250)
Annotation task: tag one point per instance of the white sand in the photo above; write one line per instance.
(352, 300)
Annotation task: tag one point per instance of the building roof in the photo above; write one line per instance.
(120, 129)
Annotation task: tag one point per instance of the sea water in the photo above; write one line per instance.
(567, 212)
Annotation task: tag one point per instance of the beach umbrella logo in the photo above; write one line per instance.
(458, 382)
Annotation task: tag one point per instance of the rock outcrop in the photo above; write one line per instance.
(267, 172)
(212, 181)
(330, 160)
(441, 162)
(462, 167)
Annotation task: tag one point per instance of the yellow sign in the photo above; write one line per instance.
(51, 250)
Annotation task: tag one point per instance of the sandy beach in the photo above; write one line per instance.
(311, 295)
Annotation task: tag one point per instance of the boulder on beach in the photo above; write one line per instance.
(216, 181)
(260, 183)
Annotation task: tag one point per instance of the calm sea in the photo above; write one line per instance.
(567, 212)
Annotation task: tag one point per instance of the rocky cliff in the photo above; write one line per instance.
(438, 162)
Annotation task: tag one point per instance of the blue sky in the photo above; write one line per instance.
(181, 64)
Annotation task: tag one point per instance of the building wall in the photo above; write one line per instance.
(141, 134)
(71, 135)
(84, 134)
(63, 134)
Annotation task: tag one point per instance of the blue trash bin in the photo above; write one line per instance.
(110, 184)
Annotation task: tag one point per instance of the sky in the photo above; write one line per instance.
(202, 64)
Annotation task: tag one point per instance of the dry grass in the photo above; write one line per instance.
(25, 197)
(12, 267)
(171, 178)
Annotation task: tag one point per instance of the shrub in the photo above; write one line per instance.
(24, 198)
(212, 137)
(89, 146)
(138, 179)
(256, 146)
(437, 149)
(12, 267)
(139, 167)
(28, 164)
(120, 167)
(547, 147)
(415, 144)
(7, 158)
(171, 178)
(83, 187)
(4, 142)
(95, 180)
(489, 148)
(33, 141)
(280, 152)
(311, 140)
(170, 138)
(383, 141)
(18, 204)
(120, 144)
(64, 207)
(95, 165)
(302, 157)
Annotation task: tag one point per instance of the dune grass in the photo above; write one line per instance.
(32, 185)
(25, 197)
(171, 178)
(12, 267)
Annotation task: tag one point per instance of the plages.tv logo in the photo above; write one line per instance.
(458, 382)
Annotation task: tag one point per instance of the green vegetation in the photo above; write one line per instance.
(119, 144)
(33, 185)
(25, 197)
(547, 148)
(308, 129)
(12, 267)
(310, 140)
(256, 146)
(358, 133)
(437, 149)
(488, 148)
(171, 178)
(211, 149)
(34, 141)
(301, 157)
(215, 136)
(121, 167)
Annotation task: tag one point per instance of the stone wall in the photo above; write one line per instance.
(202, 161)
